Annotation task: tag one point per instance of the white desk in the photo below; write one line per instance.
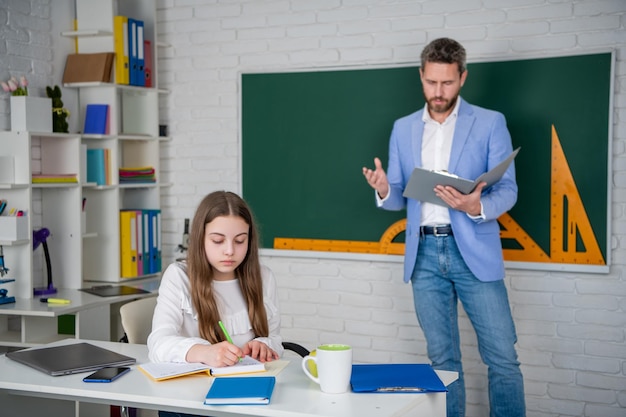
(38, 321)
(294, 394)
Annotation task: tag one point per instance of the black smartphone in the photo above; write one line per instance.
(107, 374)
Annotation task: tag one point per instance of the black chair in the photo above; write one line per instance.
(299, 349)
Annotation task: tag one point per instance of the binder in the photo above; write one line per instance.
(120, 39)
(95, 166)
(128, 243)
(241, 390)
(132, 51)
(395, 378)
(146, 242)
(147, 67)
(158, 241)
(139, 234)
(153, 239)
(140, 77)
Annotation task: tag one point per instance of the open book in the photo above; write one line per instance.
(168, 370)
(422, 182)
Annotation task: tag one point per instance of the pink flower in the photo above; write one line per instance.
(15, 87)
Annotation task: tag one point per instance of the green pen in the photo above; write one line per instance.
(225, 332)
(227, 335)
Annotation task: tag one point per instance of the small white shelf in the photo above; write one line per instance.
(86, 33)
(13, 186)
(14, 242)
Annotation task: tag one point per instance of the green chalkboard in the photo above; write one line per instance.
(306, 136)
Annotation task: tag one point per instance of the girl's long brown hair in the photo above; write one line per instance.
(201, 273)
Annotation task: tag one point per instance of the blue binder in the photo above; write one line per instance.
(132, 51)
(140, 76)
(395, 378)
(146, 241)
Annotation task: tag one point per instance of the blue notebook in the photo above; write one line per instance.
(96, 119)
(395, 378)
(241, 390)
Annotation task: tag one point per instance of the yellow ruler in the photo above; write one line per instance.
(384, 246)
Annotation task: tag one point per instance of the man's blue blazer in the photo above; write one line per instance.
(481, 141)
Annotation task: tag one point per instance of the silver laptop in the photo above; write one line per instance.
(69, 359)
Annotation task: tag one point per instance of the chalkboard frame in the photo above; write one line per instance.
(269, 191)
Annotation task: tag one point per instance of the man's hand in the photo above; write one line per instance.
(469, 203)
(377, 178)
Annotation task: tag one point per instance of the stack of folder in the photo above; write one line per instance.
(140, 242)
(53, 178)
(137, 175)
(133, 53)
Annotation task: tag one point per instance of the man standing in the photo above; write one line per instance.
(454, 252)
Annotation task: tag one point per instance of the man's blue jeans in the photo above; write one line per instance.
(440, 279)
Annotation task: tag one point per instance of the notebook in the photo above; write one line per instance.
(167, 370)
(395, 378)
(241, 390)
(69, 359)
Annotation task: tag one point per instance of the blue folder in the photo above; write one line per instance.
(395, 378)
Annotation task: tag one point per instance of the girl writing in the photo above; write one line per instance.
(221, 280)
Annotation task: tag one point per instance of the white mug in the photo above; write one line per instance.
(334, 367)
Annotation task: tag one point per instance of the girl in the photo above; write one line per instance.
(221, 280)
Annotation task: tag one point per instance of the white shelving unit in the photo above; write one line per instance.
(133, 139)
(84, 245)
(58, 209)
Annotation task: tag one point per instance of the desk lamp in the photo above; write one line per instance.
(39, 237)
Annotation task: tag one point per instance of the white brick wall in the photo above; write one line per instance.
(570, 326)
